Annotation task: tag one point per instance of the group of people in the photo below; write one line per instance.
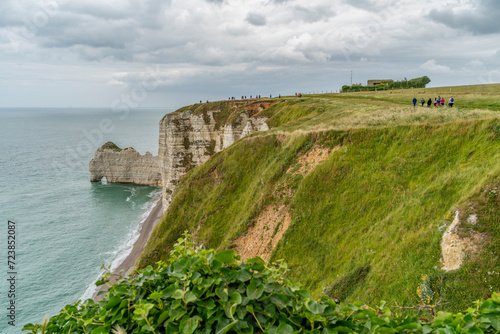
(244, 97)
(438, 102)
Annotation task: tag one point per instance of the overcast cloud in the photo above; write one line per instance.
(91, 52)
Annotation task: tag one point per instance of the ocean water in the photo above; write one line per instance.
(65, 226)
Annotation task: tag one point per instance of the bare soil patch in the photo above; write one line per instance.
(262, 237)
(268, 228)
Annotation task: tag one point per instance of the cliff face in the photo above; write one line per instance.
(125, 166)
(188, 140)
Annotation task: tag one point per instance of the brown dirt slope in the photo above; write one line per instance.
(273, 221)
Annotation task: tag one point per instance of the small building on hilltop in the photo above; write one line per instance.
(378, 82)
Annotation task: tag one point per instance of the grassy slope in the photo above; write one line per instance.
(376, 203)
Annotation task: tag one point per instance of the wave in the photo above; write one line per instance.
(125, 249)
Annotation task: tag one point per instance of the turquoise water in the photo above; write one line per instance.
(66, 226)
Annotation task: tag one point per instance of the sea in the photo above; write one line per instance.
(65, 227)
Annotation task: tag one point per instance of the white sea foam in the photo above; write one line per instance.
(121, 253)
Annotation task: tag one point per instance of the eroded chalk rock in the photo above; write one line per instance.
(188, 140)
(455, 246)
(125, 166)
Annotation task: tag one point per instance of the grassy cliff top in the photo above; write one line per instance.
(355, 191)
(227, 112)
(358, 109)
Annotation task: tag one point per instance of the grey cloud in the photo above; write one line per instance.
(480, 21)
(68, 29)
(114, 32)
(256, 19)
(371, 5)
(313, 14)
(368, 5)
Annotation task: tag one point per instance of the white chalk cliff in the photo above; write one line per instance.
(187, 139)
(125, 166)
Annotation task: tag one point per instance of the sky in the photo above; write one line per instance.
(170, 53)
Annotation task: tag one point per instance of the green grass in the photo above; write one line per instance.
(378, 202)
(111, 146)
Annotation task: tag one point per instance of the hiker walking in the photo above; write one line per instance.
(429, 102)
(451, 102)
(422, 101)
(414, 102)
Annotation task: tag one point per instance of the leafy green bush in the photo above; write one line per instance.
(415, 83)
(412, 83)
(207, 292)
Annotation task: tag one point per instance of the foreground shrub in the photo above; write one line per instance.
(207, 292)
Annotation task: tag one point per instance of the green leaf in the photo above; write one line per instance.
(244, 275)
(208, 282)
(180, 266)
(235, 298)
(387, 330)
(188, 325)
(315, 307)
(226, 328)
(241, 312)
(164, 316)
(169, 291)
(279, 300)
(254, 290)
(493, 319)
(28, 327)
(303, 293)
(190, 297)
(100, 330)
(221, 292)
(284, 329)
(226, 256)
(176, 314)
(113, 301)
(155, 295)
(495, 297)
(209, 304)
(257, 263)
(475, 330)
(100, 282)
(171, 328)
(148, 328)
(178, 294)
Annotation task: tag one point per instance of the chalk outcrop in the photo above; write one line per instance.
(455, 246)
(125, 166)
(187, 139)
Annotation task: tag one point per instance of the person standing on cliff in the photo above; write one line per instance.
(451, 102)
